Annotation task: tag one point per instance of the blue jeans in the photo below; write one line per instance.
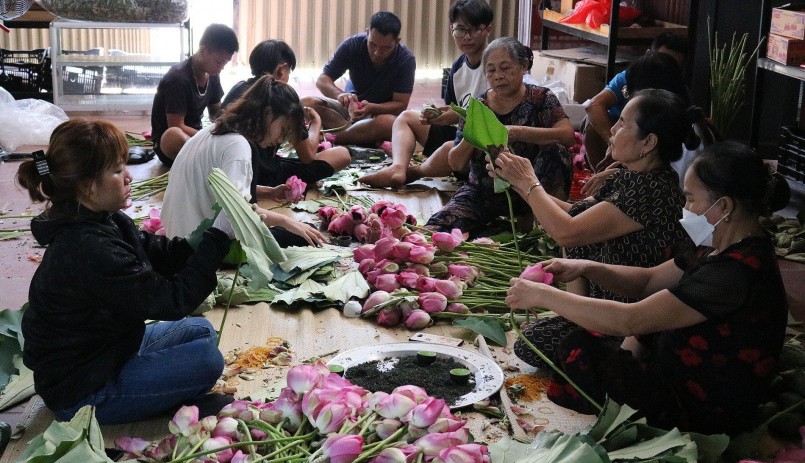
(178, 361)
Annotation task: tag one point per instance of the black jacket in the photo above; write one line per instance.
(99, 280)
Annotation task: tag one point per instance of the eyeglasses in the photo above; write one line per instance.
(460, 33)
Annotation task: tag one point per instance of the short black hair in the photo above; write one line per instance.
(220, 37)
(474, 12)
(268, 54)
(671, 41)
(386, 22)
(656, 70)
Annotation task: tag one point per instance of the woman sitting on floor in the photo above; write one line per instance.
(99, 281)
(537, 126)
(268, 114)
(710, 324)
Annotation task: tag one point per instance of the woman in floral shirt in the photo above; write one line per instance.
(709, 326)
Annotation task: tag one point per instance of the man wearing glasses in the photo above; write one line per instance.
(434, 127)
(381, 80)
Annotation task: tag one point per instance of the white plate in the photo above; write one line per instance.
(487, 373)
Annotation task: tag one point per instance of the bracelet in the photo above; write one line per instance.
(530, 189)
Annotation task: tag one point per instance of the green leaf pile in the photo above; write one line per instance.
(79, 440)
(613, 438)
(255, 239)
(16, 380)
(789, 235)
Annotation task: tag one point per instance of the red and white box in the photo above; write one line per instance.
(788, 23)
(786, 50)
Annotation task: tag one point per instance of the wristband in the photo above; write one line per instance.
(530, 189)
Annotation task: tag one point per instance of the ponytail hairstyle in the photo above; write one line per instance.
(252, 113)
(733, 169)
(79, 152)
(666, 115)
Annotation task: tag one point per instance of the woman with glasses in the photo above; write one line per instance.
(435, 130)
(537, 126)
(268, 114)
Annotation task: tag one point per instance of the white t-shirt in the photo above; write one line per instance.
(467, 81)
(188, 198)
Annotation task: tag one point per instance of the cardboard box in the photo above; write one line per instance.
(785, 50)
(582, 81)
(788, 23)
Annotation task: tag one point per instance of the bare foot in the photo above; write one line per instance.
(392, 176)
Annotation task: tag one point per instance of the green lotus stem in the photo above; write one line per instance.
(14, 230)
(514, 228)
(550, 363)
(228, 304)
(24, 216)
(373, 449)
(238, 445)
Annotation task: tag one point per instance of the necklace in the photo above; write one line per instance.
(195, 80)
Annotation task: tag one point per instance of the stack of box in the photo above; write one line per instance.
(786, 42)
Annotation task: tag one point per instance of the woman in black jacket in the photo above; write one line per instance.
(101, 278)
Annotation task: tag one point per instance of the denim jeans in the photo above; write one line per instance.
(178, 361)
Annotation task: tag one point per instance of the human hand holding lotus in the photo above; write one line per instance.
(516, 170)
(565, 270)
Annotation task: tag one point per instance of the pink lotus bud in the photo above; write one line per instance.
(415, 393)
(387, 282)
(342, 448)
(185, 421)
(393, 216)
(389, 316)
(406, 307)
(446, 242)
(432, 444)
(384, 246)
(426, 284)
(358, 213)
(417, 319)
(303, 378)
(386, 427)
(421, 254)
(372, 275)
(342, 225)
(408, 279)
(132, 445)
(416, 238)
(378, 207)
(410, 219)
(420, 269)
(213, 443)
(331, 417)
(438, 268)
(153, 224)
(401, 250)
(536, 274)
(226, 426)
(449, 289)
(465, 453)
(425, 413)
(457, 307)
(483, 240)
(366, 265)
(362, 232)
(387, 266)
(465, 272)
(393, 406)
(400, 232)
(290, 410)
(364, 251)
(447, 424)
(377, 297)
(462, 285)
(432, 302)
(296, 189)
(390, 455)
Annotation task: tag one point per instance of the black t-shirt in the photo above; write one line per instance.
(178, 93)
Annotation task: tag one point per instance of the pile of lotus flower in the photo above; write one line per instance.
(318, 417)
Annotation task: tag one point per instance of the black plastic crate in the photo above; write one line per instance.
(25, 72)
(125, 77)
(82, 80)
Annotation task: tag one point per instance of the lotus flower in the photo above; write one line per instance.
(449, 289)
(415, 393)
(387, 282)
(483, 240)
(394, 216)
(342, 225)
(401, 250)
(366, 266)
(226, 426)
(432, 302)
(132, 445)
(426, 284)
(303, 378)
(467, 273)
(387, 266)
(390, 455)
(393, 406)
(362, 232)
(446, 242)
(364, 251)
(342, 448)
(296, 189)
(389, 316)
(417, 319)
(384, 246)
(421, 254)
(420, 269)
(457, 307)
(408, 279)
(213, 443)
(184, 421)
(377, 297)
(380, 206)
(331, 417)
(386, 427)
(327, 214)
(358, 213)
(447, 424)
(432, 444)
(153, 224)
(536, 274)
(416, 238)
(426, 412)
(465, 453)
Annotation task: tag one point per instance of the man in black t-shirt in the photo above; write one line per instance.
(187, 89)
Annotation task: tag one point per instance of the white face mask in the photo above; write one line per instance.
(697, 226)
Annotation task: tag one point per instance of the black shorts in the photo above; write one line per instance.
(437, 136)
(165, 160)
(276, 171)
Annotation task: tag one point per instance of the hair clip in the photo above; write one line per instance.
(41, 163)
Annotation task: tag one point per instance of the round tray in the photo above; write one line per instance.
(487, 373)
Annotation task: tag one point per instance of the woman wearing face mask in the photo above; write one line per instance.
(710, 323)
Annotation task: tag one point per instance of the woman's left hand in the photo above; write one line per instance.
(516, 170)
(524, 294)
